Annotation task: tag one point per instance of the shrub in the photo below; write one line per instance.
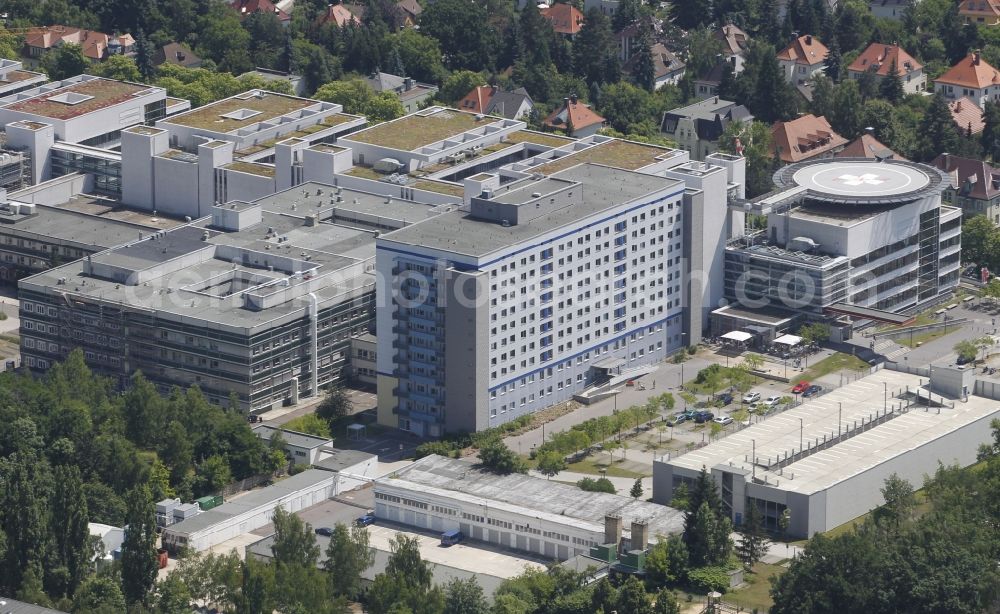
(444, 448)
(708, 579)
(598, 485)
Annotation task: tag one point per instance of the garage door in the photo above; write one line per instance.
(522, 542)
(407, 516)
(420, 520)
(563, 553)
(536, 545)
(437, 524)
(494, 537)
(550, 549)
(477, 533)
(505, 539)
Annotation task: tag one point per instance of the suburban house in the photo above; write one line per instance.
(985, 12)
(248, 7)
(880, 59)
(805, 138)
(802, 59)
(706, 84)
(972, 77)
(491, 100)
(339, 15)
(697, 127)
(734, 44)
(667, 67)
(975, 186)
(888, 9)
(968, 116)
(177, 54)
(566, 19)
(411, 93)
(409, 11)
(96, 46)
(574, 118)
(867, 146)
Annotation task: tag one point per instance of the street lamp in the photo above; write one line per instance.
(800, 435)
(885, 396)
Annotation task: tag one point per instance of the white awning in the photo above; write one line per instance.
(737, 335)
(788, 340)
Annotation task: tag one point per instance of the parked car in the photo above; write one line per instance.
(451, 538)
(324, 531)
(801, 387)
(367, 519)
(772, 401)
(751, 397)
(812, 391)
(703, 417)
(723, 420)
(677, 418)
(725, 398)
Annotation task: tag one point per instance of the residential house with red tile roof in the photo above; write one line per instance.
(805, 138)
(409, 11)
(339, 15)
(96, 46)
(879, 60)
(478, 99)
(968, 116)
(802, 58)
(975, 186)
(248, 7)
(491, 100)
(972, 77)
(980, 12)
(566, 19)
(574, 118)
(867, 146)
(177, 54)
(734, 44)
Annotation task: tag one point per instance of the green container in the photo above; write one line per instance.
(635, 559)
(208, 502)
(605, 552)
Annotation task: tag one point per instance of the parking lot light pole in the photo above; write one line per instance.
(885, 396)
(800, 435)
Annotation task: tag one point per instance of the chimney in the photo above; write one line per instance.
(640, 535)
(612, 529)
(809, 39)
(573, 98)
(493, 90)
(566, 102)
(975, 58)
(407, 84)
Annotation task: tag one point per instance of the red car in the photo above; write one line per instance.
(801, 387)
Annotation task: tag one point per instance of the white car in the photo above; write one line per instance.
(751, 397)
(723, 420)
(772, 401)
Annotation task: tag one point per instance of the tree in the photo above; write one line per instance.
(24, 514)
(593, 48)
(899, 502)
(666, 603)
(990, 137)
(465, 597)
(846, 116)
(632, 597)
(977, 232)
(294, 540)
(98, 594)
(763, 87)
(755, 141)
(172, 597)
(753, 539)
(139, 562)
(420, 54)
(816, 332)
(937, 130)
(118, 67)
(643, 70)
(689, 14)
(966, 350)
(891, 87)
(143, 58)
(256, 587)
(627, 14)
(550, 463)
(498, 458)
(406, 582)
(347, 556)
(336, 404)
(834, 61)
(65, 61)
(636, 491)
(462, 29)
(70, 533)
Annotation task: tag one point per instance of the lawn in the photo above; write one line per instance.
(758, 594)
(832, 364)
(592, 466)
(924, 337)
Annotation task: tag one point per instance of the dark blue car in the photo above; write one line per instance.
(812, 391)
(367, 519)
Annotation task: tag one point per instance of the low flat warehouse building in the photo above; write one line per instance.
(826, 460)
(516, 511)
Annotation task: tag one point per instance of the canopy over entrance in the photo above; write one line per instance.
(789, 340)
(738, 335)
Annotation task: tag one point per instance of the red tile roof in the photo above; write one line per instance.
(805, 137)
(979, 8)
(804, 50)
(971, 177)
(734, 40)
(478, 99)
(967, 115)
(249, 7)
(878, 58)
(573, 113)
(867, 146)
(972, 72)
(95, 44)
(565, 18)
(339, 15)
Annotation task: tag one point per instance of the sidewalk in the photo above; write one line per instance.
(666, 378)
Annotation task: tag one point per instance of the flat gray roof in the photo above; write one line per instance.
(529, 495)
(602, 187)
(343, 459)
(255, 499)
(295, 438)
(12, 606)
(780, 433)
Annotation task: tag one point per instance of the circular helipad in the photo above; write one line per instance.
(861, 180)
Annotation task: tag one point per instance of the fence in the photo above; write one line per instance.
(245, 484)
(910, 330)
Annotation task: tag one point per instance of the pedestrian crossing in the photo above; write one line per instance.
(890, 349)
